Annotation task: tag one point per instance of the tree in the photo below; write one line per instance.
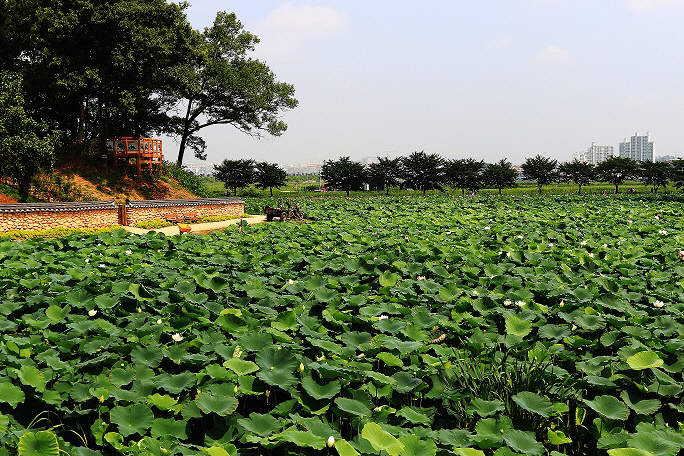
(499, 175)
(93, 68)
(235, 173)
(269, 175)
(577, 171)
(224, 86)
(616, 170)
(384, 174)
(655, 174)
(677, 172)
(343, 174)
(423, 171)
(541, 169)
(464, 173)
(26, 147)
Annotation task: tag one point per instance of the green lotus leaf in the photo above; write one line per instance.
(134, 419)
(218, 284)
(149, 355)
(344, 448)
(263, 425)
(609, 406)
(219, 373)
(56, 313)
(381, 379)
(388, 279)
(140, 292)
(533, 402)
(197, 298)
(303, 439)
(315, 282)
(79, 298)
(325, 295)
(106, 301)
(211, 403)
(490, 431)
(162, 402)
(382, 440)
(656, 442)
(644, 360)
(390, 326)
(415, 446)
(353, 407)
(321, 391)
(270, 357)
(4, 423)
(390, 359)
(32, 376)
(557, 437)
(165, 427)
(406, 382)
(185, 286)
(120, 377)
(628, 452)
(41, 443)
(467, 452)
(277, 377)
(355, 338)
(123, 395)
(240, 366)
(518, 327)
(414, 416)
(450, 292)
(522, 442)
(485, 408)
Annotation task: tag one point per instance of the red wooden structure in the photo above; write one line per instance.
(143, 154)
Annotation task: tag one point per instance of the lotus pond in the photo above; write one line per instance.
(400, 326)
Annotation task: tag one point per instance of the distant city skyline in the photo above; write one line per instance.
(491, 79)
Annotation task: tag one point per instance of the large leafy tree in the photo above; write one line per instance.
(269, 175)
(343, 174)
(499, 175)
(423, 171)
(541, 169)
(96, 68)
(26, 147)
(384, 174)
(677, 172)
(236, 173)
(464, 173)
(224, 86)
(655, 174)
(616, 170)
(577, 171)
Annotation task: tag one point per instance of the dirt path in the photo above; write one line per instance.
(199, 227)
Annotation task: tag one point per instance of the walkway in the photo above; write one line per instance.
(199, 227)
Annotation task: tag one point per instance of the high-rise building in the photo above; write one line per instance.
(639, 148)
(595, 154)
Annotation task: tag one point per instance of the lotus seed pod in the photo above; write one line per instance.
(331, 441)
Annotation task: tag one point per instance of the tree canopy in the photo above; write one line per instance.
(541, 169)
(500, 175)
(269, 175)
(616, 170)
(423, 171)
(577, 171)
(343, 174)
(26, 146)
(235, 173)
(384, 174)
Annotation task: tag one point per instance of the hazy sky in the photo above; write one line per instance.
(462, 78)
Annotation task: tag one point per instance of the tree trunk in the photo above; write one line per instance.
(579, 191)
(387, 190)
(540, 189)
(81, 122)
(616, 188)
(271, 188)
(499, 191)
(181, 150)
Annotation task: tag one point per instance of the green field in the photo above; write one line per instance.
(401, 325)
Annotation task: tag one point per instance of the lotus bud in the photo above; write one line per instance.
(268, 393)
(331, 441)
(235, 389)
(301, 367)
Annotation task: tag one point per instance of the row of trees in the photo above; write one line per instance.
(92, 69)
(245, 172)
(424, 172)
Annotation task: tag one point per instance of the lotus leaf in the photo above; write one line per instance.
(40, 443)
(134, 419)
(382, 440)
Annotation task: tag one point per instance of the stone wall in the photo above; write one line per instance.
(98, 214)
(41, 216)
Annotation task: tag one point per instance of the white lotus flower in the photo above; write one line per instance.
(331, 441)
(92, 312)
(420, 278)
(583, 243)
(383, 317)
(290, 281)
(102, 265)
(550, 244)
(520, 236)
(591, 255)
(128, 252)
(520, 303)
(663, 232)
(87, 260)
(487, 228)
(507, 303)
(159, 322)
(658, 304)
(177, 337)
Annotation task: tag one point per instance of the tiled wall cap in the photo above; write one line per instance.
(18, 208)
